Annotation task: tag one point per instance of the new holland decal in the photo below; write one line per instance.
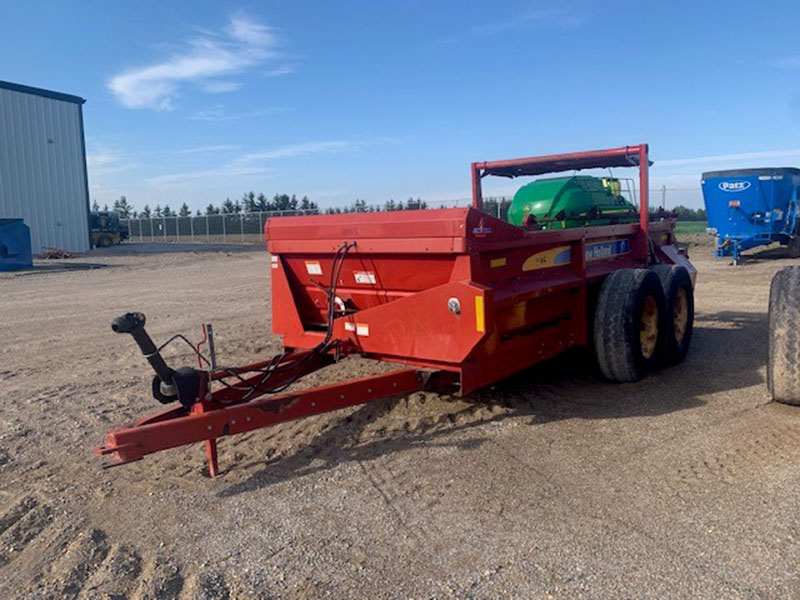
(548, 258)
(561, 255)
(607, 249)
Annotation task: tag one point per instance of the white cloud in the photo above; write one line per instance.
(282, 70)
(101, 157)
(217, 113)
(789, 62)
(220, 87)
(727, 158)
(251, 163)
(244, 44)
(176, 179)
(103, 161)
(516, 22)
(94, 171)
(251, 33)
(295, 150)
(204, 149)
(549, 17)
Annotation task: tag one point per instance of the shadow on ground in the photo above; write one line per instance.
(58, 266)
(762, 254)
(137, 248)
(728, 351)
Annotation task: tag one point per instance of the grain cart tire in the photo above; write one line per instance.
(783, 363)
(793, 247)
(630, 324)
(679, 298)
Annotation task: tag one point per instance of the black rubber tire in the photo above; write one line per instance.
(617, 324)
(104, 241)
(793, 247)
(675, 279)
(783, 362)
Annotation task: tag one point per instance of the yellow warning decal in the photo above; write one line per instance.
(480, 318)
(497, 262)
(553, 257)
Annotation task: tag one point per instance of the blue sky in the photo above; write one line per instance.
(342, 100)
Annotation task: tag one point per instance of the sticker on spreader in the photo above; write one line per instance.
(358, 328)
(365, 277)
(313, 267)
(274, 261)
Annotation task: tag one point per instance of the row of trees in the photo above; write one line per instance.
(251, 203)
(388, 206)
(283, 202)
(248, 204)
(690, 214)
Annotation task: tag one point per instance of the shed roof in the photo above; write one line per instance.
(26, 89)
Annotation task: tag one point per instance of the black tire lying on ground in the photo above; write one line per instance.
(793, 247)
(783, 362)
(679, 297)
(630, 324)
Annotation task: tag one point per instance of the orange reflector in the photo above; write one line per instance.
(480, 320)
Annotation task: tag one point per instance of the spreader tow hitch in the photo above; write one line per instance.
(169, 385)
(215, 401)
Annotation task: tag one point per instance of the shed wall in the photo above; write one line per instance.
(43, 169)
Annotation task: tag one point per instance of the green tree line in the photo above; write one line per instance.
(682, 213)
(250, 202)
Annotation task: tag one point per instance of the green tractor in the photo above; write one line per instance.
(565, 202)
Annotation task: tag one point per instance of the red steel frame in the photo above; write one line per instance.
(625, 156)
(522, 296)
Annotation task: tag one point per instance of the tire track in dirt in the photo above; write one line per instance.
(742, 448)
(93, 567)
(420, 419)
(20, 525)
(740, 455)
(71, 562)
(79, 562)
(208, 585)
(744, 458)
(117, 576)
(162, 579)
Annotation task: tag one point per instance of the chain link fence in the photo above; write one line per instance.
(222, 228)
(249, 227)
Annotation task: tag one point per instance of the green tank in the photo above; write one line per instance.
(564, 202)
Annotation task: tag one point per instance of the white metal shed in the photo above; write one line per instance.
(43, 177)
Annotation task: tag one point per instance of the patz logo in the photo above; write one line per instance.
(734, 186)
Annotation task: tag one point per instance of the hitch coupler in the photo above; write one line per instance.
(133, 323)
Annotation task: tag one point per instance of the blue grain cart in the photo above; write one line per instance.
(15, 245)
(753, 207)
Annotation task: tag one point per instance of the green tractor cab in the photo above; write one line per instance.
(565, 202)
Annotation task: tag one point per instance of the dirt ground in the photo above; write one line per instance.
(550, 484)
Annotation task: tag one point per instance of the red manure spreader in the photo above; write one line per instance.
(457, 298)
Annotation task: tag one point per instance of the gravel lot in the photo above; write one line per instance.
(550, 484)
